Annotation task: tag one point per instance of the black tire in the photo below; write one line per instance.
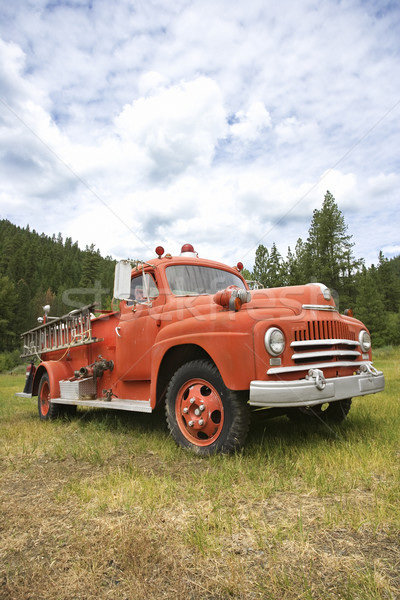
(331, 413)
(203, 415)
(47, 409)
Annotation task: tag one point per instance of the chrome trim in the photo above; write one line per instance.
(143, 406)
(325, 342)
(329, 365)
(328, 307)
(360, 336)
(316, 390)
(267, 341)
(327, 352)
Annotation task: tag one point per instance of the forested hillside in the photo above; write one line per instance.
(36, 270)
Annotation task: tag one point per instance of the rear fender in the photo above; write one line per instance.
(57, 371)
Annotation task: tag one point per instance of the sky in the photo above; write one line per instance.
(137, 123)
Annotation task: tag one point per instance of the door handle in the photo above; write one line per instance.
(117, 331)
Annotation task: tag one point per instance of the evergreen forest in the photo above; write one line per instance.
(36, 270)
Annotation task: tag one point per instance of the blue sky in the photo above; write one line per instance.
(130, 124)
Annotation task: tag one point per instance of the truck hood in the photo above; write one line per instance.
(295, 298)
(291, 300)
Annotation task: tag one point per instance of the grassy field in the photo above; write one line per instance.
(105, 506)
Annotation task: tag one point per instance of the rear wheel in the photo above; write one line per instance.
(47, 410)
(203, 415)
(331, 413)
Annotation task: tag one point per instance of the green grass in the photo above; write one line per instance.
(106, 506)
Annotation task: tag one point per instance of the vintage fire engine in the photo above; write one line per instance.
(190, 335)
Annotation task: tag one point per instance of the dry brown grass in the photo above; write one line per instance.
(52, 549)
(100, 508)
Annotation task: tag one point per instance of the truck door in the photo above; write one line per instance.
(138, 328)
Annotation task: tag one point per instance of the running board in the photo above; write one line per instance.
(142, 406)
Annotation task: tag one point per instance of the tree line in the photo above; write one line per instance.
(373, 293)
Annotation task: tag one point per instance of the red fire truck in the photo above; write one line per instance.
(189, 334)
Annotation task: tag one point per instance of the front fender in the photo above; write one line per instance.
(232, 353)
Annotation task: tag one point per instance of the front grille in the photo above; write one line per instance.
(322, 344)
(321, 330)
(329, 340)
(329, 350)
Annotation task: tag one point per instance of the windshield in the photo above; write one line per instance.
(192, 280)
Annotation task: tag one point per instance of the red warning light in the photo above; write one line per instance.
(187, 248)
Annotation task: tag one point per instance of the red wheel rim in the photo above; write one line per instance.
(199, 412)
(45, 398)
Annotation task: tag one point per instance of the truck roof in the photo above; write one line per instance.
(184, 259)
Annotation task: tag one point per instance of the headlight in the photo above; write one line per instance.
(274, 341)
(365, 340)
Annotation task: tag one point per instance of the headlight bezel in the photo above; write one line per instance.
(269, 341)
(364, 339)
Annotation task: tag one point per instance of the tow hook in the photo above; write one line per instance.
(318, 377)
(368, 368)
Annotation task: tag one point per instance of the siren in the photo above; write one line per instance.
(188, 250)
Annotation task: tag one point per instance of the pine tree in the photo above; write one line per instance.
(247, 274)
(328, 255)
(8, 300)
(23, 317)
(260, 270)
(389, 283)
(369, 307)
(275, 268)
(295, 265)
(90, 266)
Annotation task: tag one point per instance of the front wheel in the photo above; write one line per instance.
(47, 410)
(203, 415)
(331, 413)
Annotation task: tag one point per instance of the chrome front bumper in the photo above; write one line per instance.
(315, 389)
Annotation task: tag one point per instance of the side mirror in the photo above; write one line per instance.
(122, 280)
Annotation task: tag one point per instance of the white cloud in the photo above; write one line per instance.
(151, 82)
(343, 186)
(178, 127)
(292, 131)
(390, 251)
(252, 122)
(383, 184)
(11, 63)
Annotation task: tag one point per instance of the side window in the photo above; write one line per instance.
(143, 289)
